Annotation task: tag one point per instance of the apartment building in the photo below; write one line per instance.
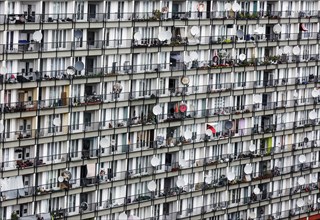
(159, 110)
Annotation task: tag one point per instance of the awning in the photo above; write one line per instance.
(303, 27)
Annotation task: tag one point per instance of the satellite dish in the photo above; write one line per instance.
(231, 176)
(208, 180)
(287, 49)
(242, 57)
(155, 161)
(168, 35)
(137, 36)
(162, 36)
(252, 215)
(240, 33)
(315, 93)
(188, 135)
(66, 175)
(78, 34)
(223, 53)
(187, 59)
(84, 206)
(152, 185)
(194, 55)
(280, 52)
(252, 148)
(296, 50)
(302, 158)
(56, 122)
(60, 179)
(228, 125)
(71, 70)
(277, 29)
(227, 6)
(209, 132)
(295, 94)
(182, 162)
(123, 216)
(183, 107)
(248, 169)
(300, 202)
(306, 140)
(180, 182)
(79, 66)
(185, 80)
(257, 99)
(256, 191)
(37, 36)
(1, 127)
(157, 110)
(301, 181)
(314, 179)
(165, 9)
(117, 88)
(104, 142)
(194, 30)
(236, 7)
(3, 70)
(312, 115)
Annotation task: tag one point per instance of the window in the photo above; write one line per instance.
(59, 8)
(80, 10)
(72, 203)
(58, 39)
(54, 151)
(74, 148)
(75, 120)
(54, 128)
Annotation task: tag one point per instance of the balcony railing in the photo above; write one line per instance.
(151, 16)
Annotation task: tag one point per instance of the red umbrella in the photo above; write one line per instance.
(210, 126)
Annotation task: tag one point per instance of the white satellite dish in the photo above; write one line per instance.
(295, 94)
(1, 127)
(37, 36)
(137, 36)
(277, 29)
(152, 185)
(3, 70)
(261, 30)
(79, 66)
(228, 6)
(223, 53)
(208, 179)
(194, 30)
(240, 33)
(182, 162)
(188, 135)
(252, 148)
(252, 215)
(155, 161)
(56, 122)
(209, 132)
(78, 34)
(302, 158)
(180, 182)
(71, 71)
(301, 181)
(231, 176)
(157, 110)
(123, 216)
(117, 88)
(256, 191)
(312, 115)
(296, 50)
(194, 55)
(257, 99)
(162, 36)
(168, 35)
(242, 57)
(60, 179)
(104, 142)
(300, 202)
(248, 169)
(287, 49)
(315, 93)
(280, 52)
(187, 59)
(236, 7)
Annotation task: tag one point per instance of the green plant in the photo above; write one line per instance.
(156, 14)
(227, 41)
(14, 216)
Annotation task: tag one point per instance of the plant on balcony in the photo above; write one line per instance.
(156, 15)
(227, 41)
(275, 59)
(14, 216)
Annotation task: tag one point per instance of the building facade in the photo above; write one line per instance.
(159, 109)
